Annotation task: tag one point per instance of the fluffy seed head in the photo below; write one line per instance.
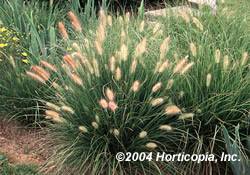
(151, 145)
(96, 68)
(75, 22)
(244, 58)
(67, 109)
(54, 116)
(76, 79)
(52, 106)
(118, 74)
(124, 52)
(112, 106)
(70, 61)
(48, 65)
(143, 134)
(157, 87)
(156, 28)
(116, 132)
(225, 62)
(170, 83)
(41, 72)
(180, 65)
(164, 47)
(110, 94)
(184, 15)
(172, 110)
(163, 66)
(103, 103)
(35, 77)
(198, 24)
(98, 46)
(142, 25)
(95, 125)
(83, 129)
(109, 20)
(186, 116)
(133, 66)
(141, 48)
(63, 31)
(187, 68)
(112, 64)
(217, 56)
(209, 79)
(193, 49)
(136, 86)
(157, 101)
(166, 127)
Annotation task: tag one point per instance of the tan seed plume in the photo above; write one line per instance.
(95, 125)
(141, 48)
(70, 62)
(180, 65)
(52, 106)
(110, 94)
(112, 63)
(151, 145)
(163, 66)
(67, 109)
(63, 31)
(96, 68)
(217, 56)
(156, 28)
(35, 77)
(109, 20)
(193, 49)
(133, 66)
(184, 15)
(116, 132)
(124, 52)
(226, 62)
(136, 86)
(41, 72)
(157, 101)
(74, 21)
(166, 127)
(143, 134)
(172, 110)
(170, 83)
(164, 47)
(186, 116)
(198, 24)
(103, 103)
(118, 74)
(209, 79)
(83, 129)
(142, 25)
(76, 79)
(112, 106)
(157, 87)
(48, 65)
(187, 68)
(245, 57)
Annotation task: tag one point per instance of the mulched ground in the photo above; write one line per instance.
(22, 145)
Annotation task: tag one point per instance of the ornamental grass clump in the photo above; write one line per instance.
(110, 100)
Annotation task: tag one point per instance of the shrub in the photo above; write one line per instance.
(114, 98)
(103, 107)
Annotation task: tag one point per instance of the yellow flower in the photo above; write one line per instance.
(2, 45)
(3, 29)
(26, 61)
(15, 39)
(24, 54)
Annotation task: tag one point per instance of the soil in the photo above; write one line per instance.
(22, 145)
